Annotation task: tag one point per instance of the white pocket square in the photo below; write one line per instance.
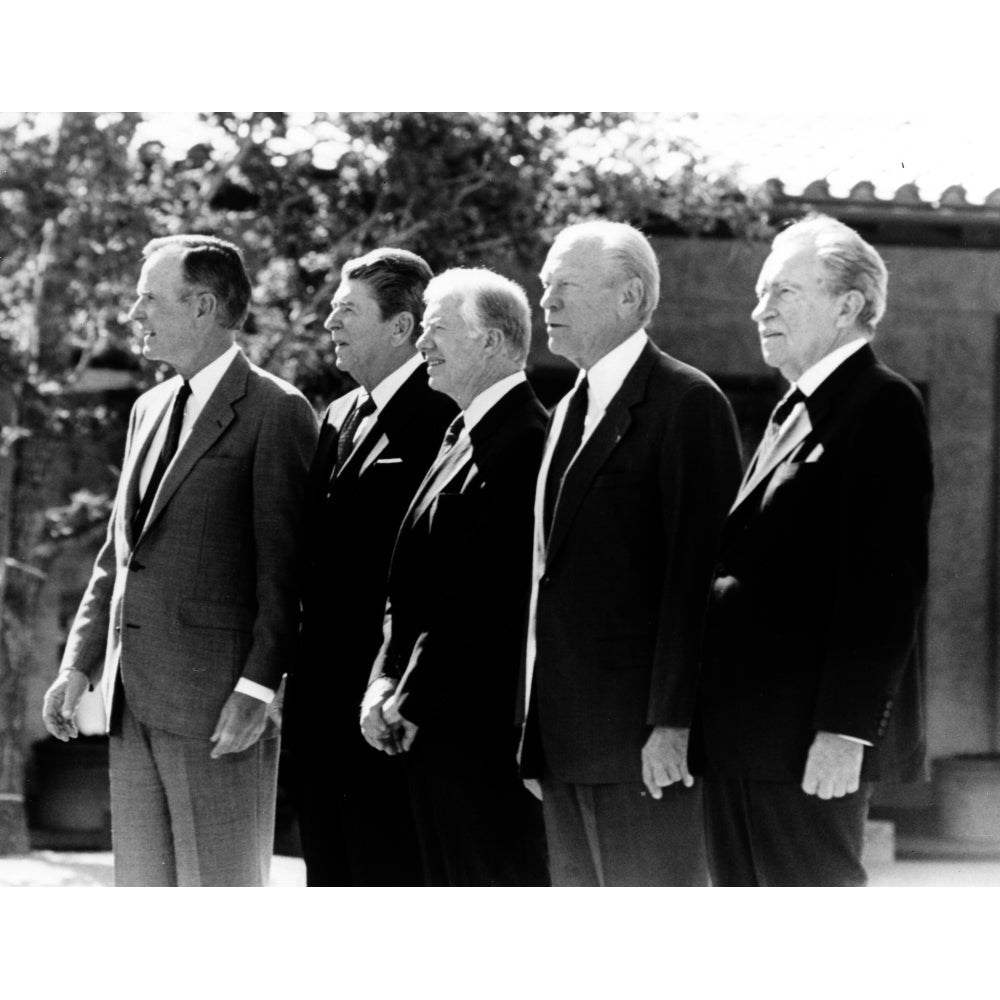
(387, 461)
(815, 454)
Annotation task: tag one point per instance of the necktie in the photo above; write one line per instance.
(345, 440)
(452, 434)
(167, 453)
(566, 447)
(778, 416)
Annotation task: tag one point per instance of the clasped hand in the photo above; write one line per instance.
(381, 723)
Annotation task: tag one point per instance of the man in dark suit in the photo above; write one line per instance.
(375, 446)
(444, 685)
(640, 466)
(190, 615)
(824, 563)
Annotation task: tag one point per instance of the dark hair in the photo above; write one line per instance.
(213, 264)
(397, 279)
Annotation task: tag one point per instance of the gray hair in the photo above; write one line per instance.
(629, 253)
(850, 263)
(488, 301)
(217, 265)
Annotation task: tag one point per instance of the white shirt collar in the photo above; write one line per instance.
(489, 398)
(203, 383)
(605, 377)
(392, 383)
(813, 377)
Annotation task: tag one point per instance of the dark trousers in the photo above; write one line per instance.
(763, 833)
(618, 835)
(180, 818)
(355, 818)
(477, 831)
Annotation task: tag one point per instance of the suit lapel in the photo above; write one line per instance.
(213, 420)
(813, 420)
(597, 449)
(795, 431)
(439, 476)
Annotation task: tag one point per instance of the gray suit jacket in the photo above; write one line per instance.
(207, 593)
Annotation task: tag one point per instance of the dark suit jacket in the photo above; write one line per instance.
(624, 578)
(458, 595)
(207, 593)
(819, 588)
(351, 526)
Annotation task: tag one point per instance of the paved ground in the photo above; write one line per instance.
(63, 868)
(95, 868)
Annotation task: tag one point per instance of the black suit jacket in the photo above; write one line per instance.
(820, 584)
(458, 595)
(351, 523)
(625, 576)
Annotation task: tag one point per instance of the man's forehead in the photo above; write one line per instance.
(573, 255)
(162, 268)
(798, 260)
(351, 289)
(440, 308)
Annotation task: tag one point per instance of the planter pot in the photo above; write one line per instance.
(71, 793)
(967, 796)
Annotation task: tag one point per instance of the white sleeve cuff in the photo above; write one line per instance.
(855, 739)
(255, 690)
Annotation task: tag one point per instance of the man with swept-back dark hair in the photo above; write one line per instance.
(216, 264)
(190, 616)
(375, 445)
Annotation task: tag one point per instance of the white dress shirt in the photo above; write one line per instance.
(489, 398)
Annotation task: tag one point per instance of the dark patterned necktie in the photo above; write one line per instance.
(452, 434)
(345, 440)
(167, 453)
(570, 436)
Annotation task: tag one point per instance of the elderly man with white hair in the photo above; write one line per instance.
(811, 687)
(640, 467)
(443, 689)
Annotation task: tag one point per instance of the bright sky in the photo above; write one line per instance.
(931, 149)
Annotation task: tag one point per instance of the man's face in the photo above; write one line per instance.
(452, 349)
(359, 333)
(580, 299)
(796, 315)
(166, 310)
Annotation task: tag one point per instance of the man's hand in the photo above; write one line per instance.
(404, 731)
(664, 759)
(240, 724)
(833, 767)
(376, 731)
(60, 704)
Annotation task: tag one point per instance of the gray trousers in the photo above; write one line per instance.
(619, 835)
(180, 818)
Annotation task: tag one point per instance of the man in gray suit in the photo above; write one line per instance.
(190, 614)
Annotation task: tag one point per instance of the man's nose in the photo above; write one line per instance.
(762, 308)
(423, 341)
(331, 322)
(136, 311)
(548, 298)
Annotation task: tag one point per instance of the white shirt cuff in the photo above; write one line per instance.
(255, 690)
(855, 739)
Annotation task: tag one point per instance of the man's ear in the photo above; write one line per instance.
(402, 329)
(851, 305)
(492, 340)
(631, 295)
(206, 305)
